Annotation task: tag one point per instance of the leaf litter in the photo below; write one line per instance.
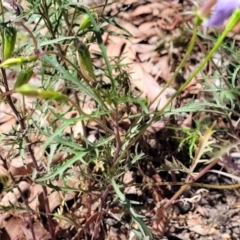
(151, 53)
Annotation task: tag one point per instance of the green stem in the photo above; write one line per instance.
(200, 67)
(235, 18)
(98, 34)
(182, 63)
(232, 22)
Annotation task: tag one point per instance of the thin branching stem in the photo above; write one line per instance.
(102, 207)
(36, 50)
(181, 65)
(30, 151)
(29, 210)
(186, 185)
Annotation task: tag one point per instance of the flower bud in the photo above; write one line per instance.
(23, 77)
(10, 35)
(18, 61)
(86, 21)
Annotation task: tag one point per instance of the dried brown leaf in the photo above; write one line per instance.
(152, 91)
(58, 198)
(146, 56)
(128, 178)
(34, 201)
(164, 67)
(14, 228)
(203, 230)
(160, 222)
(114, 49)
(20, 166)
(12, 196)
(128, 54)
(5, 113)
(147, 9)
(144, 48)
(136, 77)
(151, 29)
(40, 232)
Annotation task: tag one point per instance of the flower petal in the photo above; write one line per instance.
(222, 11)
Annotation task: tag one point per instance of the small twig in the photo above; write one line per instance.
(88, 222)
(4, 94)
(49, 25)
(186, 185)
(102, 206)
(194, 184)
(36, 50)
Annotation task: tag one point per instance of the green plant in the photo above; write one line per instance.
(54, 141)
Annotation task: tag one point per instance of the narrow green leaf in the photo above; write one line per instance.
(61, 169)
(117, 190)
(57, 40)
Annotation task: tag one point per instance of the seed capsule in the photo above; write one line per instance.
(52, 95)
(10, 35)
(23, 77)
(18, 61)
(28, 90)
(86, 21)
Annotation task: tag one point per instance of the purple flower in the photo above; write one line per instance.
(222, 11)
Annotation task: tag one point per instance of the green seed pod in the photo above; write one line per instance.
(85, 59)
(52, 95)
(28, 90)
(10, 35)
(86, 21)
(18, 61)
(23, 77)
